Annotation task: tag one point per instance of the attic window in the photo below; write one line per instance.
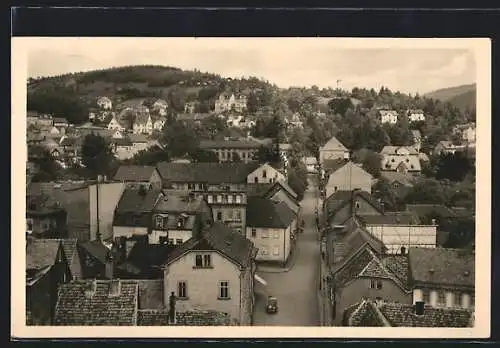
(392, 160)
(114, 287)
(90, 288)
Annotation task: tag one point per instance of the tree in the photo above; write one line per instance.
(48, 168)
(96, 155)
(204, 156)
(454, 166)
(297, 179)
(180, 139)
(371, 163)
(427, 191)
(150, 157)
(383, 192)
(267, 154)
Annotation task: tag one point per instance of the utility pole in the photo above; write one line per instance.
(98, 232)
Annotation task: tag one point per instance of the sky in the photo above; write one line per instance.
(405, 65)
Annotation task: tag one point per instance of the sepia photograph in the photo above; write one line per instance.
(290, 187)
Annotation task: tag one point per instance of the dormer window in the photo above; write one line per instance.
(114, 288)
(264, 173)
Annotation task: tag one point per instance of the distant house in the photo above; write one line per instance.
(333, 149)
(225, 149)
(442, 277)
(348, 177)
(128, 303)
(46, 269)
(265, 174)
(235, 121)
(104, 103)
(159, 123)
(295, 121)
(447, 147)
(369, 313)
(143, 122)
(61, 122)
(417, 139)
(311, 164)
(416, 115)
(130, 145)
(139, 175)
(229, 102)
(189, 107)
(467, 132)
(401, 159)
(271, 226)
(278, 191)
(400, 183)
(214, 271)
(45, 217)
(388, 116)
(116, 124)
(179, 216)
(160, 106)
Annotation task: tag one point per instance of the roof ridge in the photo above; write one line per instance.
(379, 314)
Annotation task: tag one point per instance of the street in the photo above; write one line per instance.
(296, 289)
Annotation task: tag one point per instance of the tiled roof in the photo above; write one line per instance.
(229, 144)
(77, 308)
(41, 253)
(389, 218)
(332, 165)
(223, 239)
(60, 120)
(151, 294)
(428, 209)
(403, 315)
(42, 204)
(353, 268)
(178, 202)
(137, 200)
(145, 259)
(97, 249)
(212, 173)
(138, 138)
(70, 249)
(340, 198)
(398, 266)
(440, 266)
(405, 179)
(190, 318)
(363, 314)
(265, 213)
(259, 190)
(394, 150)
(391, 162)
(134, 173)
(332, 145)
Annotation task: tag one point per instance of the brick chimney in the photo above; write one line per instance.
(109, 266)
(419, 308)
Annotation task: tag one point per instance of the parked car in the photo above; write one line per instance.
(272, 304)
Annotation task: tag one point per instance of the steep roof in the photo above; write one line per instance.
(332, 165)
(265, 213)
(137, 200)
(397, 265)
(41, 253)
(333, 145)
(369, 314)
(440, 266)
(178, 201)
(75, 307)
(211, 173)
(405, 179)
(340, 198)
(396, 150)
(219, 238)
(392, 162)
(134, 173)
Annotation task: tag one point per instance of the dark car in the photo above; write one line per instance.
(272, 305)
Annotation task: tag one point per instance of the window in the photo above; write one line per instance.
(379, 284)
(263, 251)
(210, 199)
(230, 199)
(256, 180)
(375, 284)
(219, 198)
(254, 232)
(335, 189)
(276, 251)
(264, 174)
(219, 216)
(441, 298)
(372, 284)
(159, 221)
(224, 290)
(427, 297)
(191, 186)
(238, 199)
(207, 260)
(276, 234)
(182, 289)
(238, 215)
(171, 241)
(199, 261)
(178, 241)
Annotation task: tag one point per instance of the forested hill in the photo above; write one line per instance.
(463, 97)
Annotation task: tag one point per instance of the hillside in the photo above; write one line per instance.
(463, 97)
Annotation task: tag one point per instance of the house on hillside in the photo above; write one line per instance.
(190, 107)
(401, 159)
(369, 313)
(416, 115)
(400, 183)
(294, 121)
(230, 102)
(143, 123)
(214, 271)
(467, 132)
(447, 147)
(104, 103)
(226, 149)
(442, 278)
(333, 149)
(160, 107)
(117, 124)
(46, 269)
(271, 226)
(348, 177)
(138, 175)
(417, 139)
(266, 173)
(388, 116)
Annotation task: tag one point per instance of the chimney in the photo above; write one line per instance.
(109, 266)
(90, 288)
(171, 309)
(419, 308)
(114, 287)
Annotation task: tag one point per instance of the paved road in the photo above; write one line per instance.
(297, 289)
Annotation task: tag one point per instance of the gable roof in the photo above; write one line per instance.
(265, 213)
(440, 266)
(137, 200)
(369, 314)
(393, 150)
(348, 167)
(392, 162)
(41, 253)
(134, 173)
(70, 250)
(211, 173)
(340, 198)
(221, 238)
(405, 179)
(75, 308)
(389, 218)
(332, 165)
(178, 201)
(333, 145)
